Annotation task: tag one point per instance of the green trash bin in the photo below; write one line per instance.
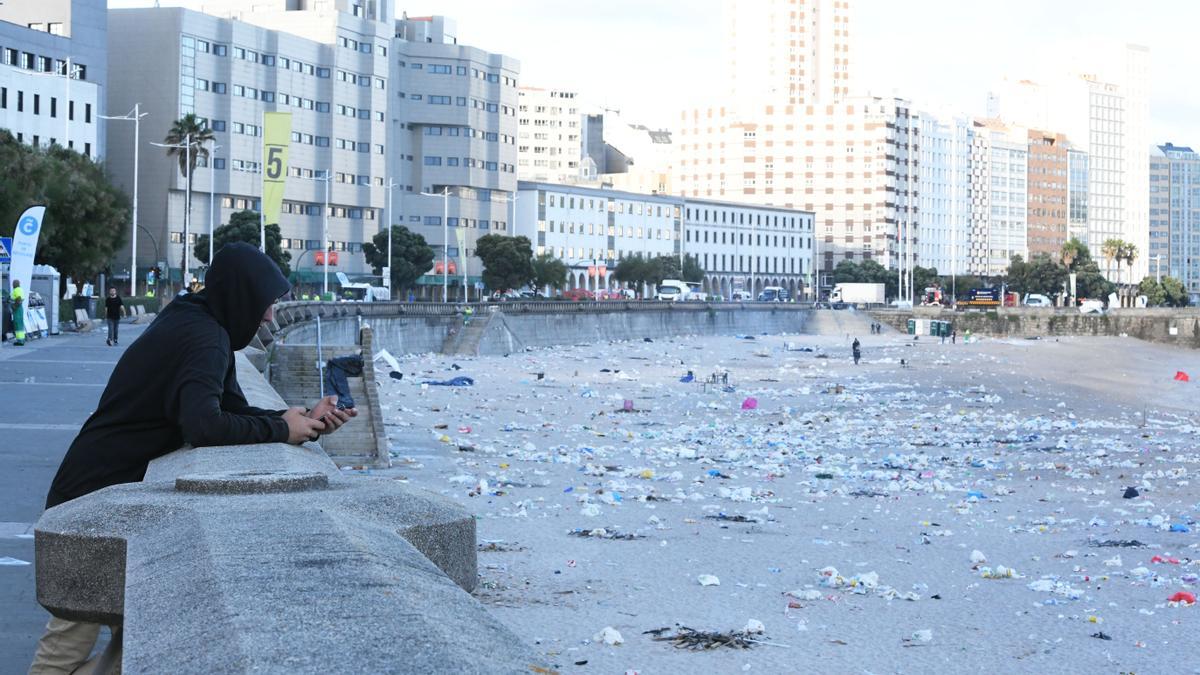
(912, 326)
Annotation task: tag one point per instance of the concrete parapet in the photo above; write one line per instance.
(265, 558)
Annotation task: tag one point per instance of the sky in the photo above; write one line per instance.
(651, 59)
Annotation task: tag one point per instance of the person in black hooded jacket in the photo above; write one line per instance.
(177, 384)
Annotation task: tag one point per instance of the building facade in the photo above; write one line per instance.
(1174, 189)
(551, 145)
(1047, 210)
(999, 197)
(54, 73)
(229, 72)
(453, 145)
(740, 246)
(944, 192)
(1078, 189)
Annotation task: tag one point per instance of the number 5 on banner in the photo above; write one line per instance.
(274, 162)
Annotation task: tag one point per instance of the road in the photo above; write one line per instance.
(47, 390)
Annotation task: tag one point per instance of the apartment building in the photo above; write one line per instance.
(944, 192)
(1047, 210)
(999, 197)
(1174, 215)
(550, 147)
(54, 73)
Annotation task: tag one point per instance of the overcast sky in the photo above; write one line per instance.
(652, 58)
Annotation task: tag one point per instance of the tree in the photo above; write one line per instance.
(1075, 253)
(86, 216)
(635, 271)
(1129, 253)
(1153, 290)
(1112, 250)
(1042, 275)
(1090, 283)
(411, 256)
(187, 137)
(507, 261)
(549, 272)
(1175, 294)
(243, 226)
(924, 278)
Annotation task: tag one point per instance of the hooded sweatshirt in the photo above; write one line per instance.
(177, 383)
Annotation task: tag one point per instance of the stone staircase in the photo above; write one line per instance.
(465, 340)
(294, 374)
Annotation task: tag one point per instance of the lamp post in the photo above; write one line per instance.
(445, 195)
(187, 207)
(212, 196)
(325, 234)
(135, 116)
(1158, 268)
(387, 222)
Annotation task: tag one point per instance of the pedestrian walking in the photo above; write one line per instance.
(112, 314)
(177, 383)
(954, 336)
(17, 302)
(856, 349)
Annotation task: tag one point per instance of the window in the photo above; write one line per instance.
(217, 125)
(268, 60)
(461, 70)
(439, 100)
(433, 161)
(439, 69)
(53, 107)
(323, 73)
(218, 88)
(220, 50)
(322, 107)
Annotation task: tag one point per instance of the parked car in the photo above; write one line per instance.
(741, 296)
(773, 294)
(840, 305)
(822, 305)
(1037, 300)
(578, 295)
(902, 304)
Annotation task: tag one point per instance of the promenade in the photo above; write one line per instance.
(47, 390)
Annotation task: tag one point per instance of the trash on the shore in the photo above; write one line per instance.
(708, 580)
(690, 638)
(460, 381)
(604, 533)
(609, 636)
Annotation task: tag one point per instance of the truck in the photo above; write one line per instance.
(672, 290)
(854, 294)
(362, 292)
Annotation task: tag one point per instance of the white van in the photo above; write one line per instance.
(1037, 300)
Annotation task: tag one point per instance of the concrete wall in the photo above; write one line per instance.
(513, 331)
(1179, 327)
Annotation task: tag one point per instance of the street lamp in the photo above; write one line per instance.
(187, 208)
(325, 233)
(445, 195)
(135, 116)
(387, 222)
(1158, 268)
(212, 195)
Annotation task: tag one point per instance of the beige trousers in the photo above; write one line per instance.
(65, 648)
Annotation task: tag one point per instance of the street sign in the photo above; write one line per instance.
(5, 249)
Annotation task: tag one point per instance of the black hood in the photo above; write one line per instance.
(239, 287)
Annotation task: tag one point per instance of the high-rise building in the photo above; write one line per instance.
(1078, 189)
(229, 72)
(781, 53)
(999, 196)
(944, 192)
(54, 73)
(1047, 192)
(1106, 115)
(1174, 209)
(453, 131)
(550, 141)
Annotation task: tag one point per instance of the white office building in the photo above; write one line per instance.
(944, 192)
(550, 140)
(453, 132)
(230, 72)
(53, 73)
(999, 197)
(740, 246)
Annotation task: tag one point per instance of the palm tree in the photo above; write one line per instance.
(1112, 249)
(193, 132)
(1073, 251)
(1129, 253)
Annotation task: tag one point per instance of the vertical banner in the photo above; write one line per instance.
(25, 241)
(460, 233)
(277, 134)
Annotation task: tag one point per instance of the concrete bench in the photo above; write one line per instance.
(265, 558)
